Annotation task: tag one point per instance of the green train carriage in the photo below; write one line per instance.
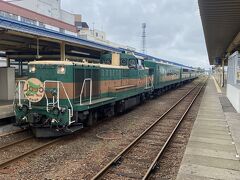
(61, 97)
(164, 74)
(77, 93)
(167, 75)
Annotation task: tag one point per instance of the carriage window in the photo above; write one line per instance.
(185, 70)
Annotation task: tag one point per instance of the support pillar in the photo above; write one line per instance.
(38, 52)
(62, 51)
(19, 69)
(8, 61)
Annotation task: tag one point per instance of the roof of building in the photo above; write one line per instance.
(221, 24)
(23, 27)
(23, 12)
(18, 26)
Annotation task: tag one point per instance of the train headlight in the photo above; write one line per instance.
(61, 69)
(32, 69)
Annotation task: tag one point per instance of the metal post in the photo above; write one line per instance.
(146, 81)
(19, 93)
(62, 51)
(152, 81)
(144, 25)
(19, 69)
(38, 57)
(58, 94)
(90, 91)
(30, 105)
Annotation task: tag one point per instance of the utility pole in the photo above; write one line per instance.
(144, 25)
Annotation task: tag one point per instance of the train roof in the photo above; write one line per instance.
(69, 63)
(169, 63)
(149, 57)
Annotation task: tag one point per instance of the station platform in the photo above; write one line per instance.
(6, 109)
(213, 149)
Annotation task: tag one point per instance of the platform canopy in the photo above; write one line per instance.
(221, 25)
(20, 41)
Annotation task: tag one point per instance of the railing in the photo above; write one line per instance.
(49, 104)
(149, 85)
(20, 86)
(90, 91)
(57, 102)
(19, 91)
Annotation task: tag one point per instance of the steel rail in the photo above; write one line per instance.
(7, 162)
(134, 142)
(13, 132)
(16, 142)
(154, 163)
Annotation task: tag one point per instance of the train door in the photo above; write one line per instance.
(82, 76)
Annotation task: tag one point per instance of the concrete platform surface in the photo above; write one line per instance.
(214, 145)
(6, 109)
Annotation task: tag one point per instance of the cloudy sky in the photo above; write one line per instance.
(174, 29)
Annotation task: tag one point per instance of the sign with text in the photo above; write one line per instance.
(34, 90)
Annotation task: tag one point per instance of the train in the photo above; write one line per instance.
(61, 97)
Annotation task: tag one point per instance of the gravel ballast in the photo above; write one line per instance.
(80, 157)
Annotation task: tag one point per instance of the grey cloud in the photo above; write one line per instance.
(174, 29)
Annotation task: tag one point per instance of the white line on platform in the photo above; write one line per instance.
(217, 86)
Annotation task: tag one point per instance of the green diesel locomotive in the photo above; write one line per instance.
(61, 97)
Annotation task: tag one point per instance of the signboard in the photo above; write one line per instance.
(34, 90)
(234, 69)
(238, 71)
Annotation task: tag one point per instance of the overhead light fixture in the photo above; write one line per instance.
(38, 57)
(78, 52)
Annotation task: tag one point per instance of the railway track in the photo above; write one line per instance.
(13, 151)
(15, 142)
(13, 132)
(18, 149)
(140, 157)
(14, 137)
